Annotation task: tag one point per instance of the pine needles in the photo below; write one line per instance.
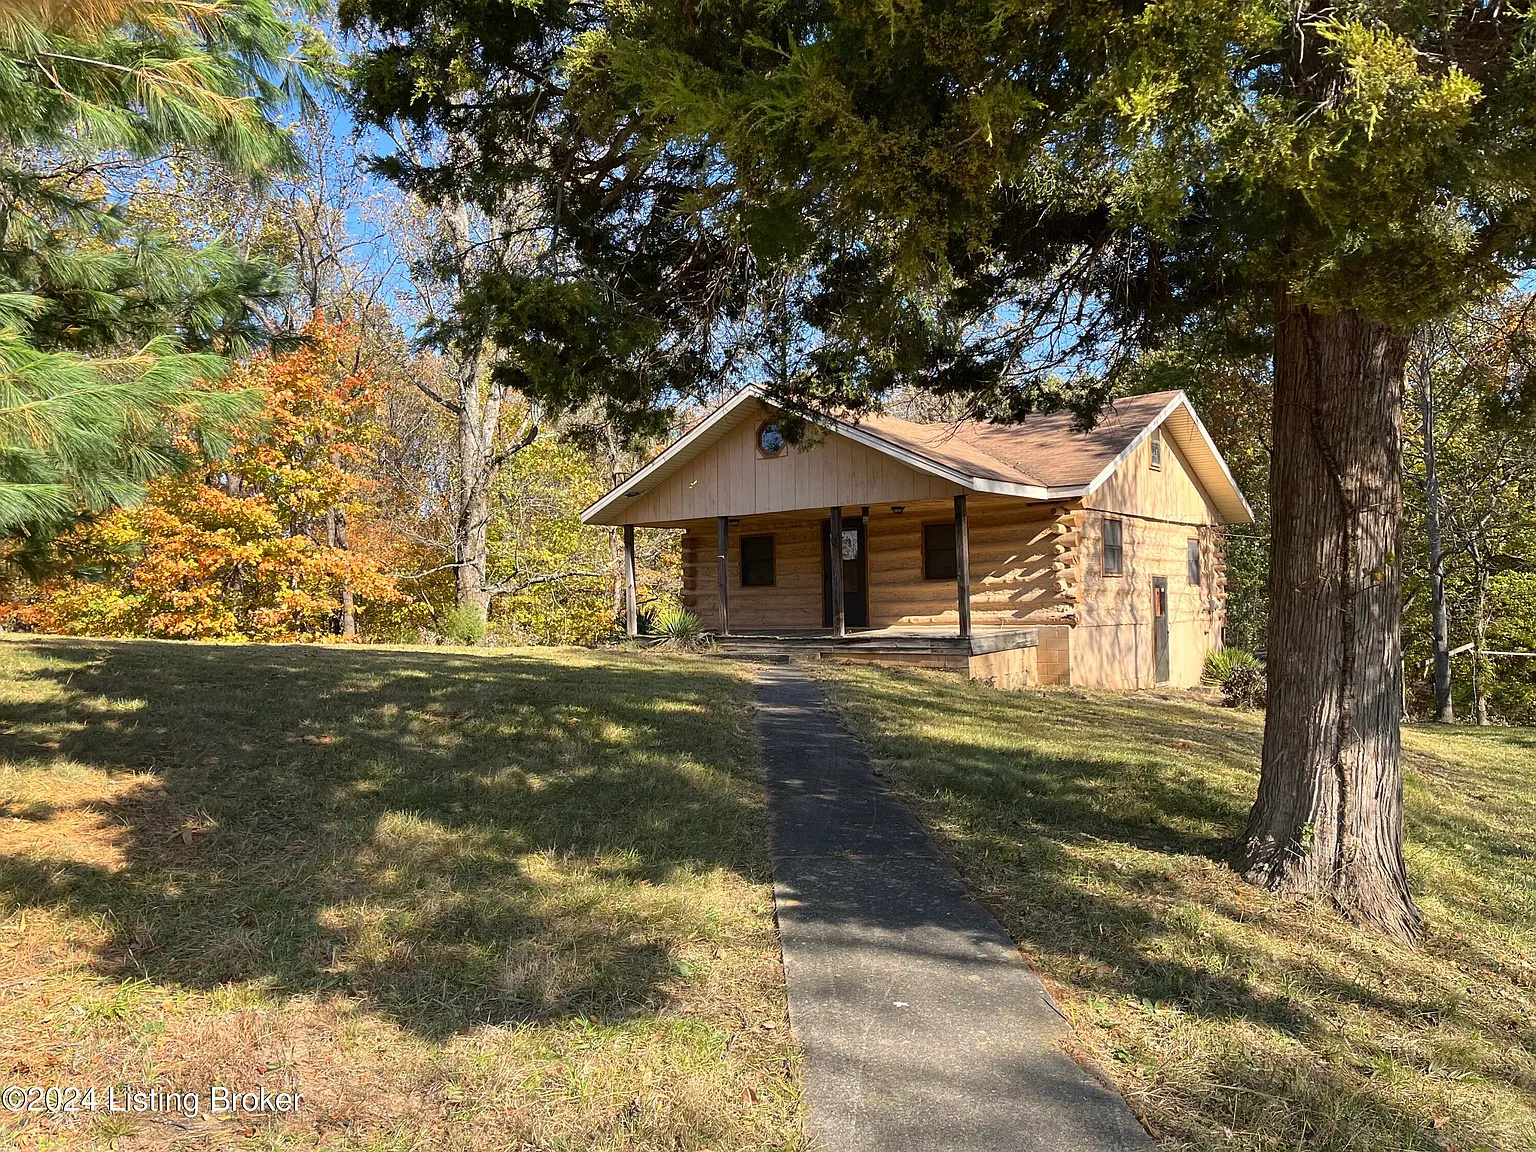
(112, 331)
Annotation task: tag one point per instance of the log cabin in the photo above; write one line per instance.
(1036, 553)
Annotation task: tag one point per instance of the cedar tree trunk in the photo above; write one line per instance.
(1329, 815)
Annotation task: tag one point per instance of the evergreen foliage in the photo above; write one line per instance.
(1011, 203)
(85, 433)
(992, 194)
(463, 627)
(612, 276)
(110, 334)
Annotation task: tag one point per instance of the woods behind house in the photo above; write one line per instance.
(287, 357)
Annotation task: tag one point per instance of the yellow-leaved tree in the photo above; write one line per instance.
(275, 540)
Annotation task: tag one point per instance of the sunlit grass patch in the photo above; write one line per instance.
(1097, 827)
(503, 900)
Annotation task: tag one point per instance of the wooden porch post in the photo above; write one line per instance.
(963, 565)
(864, 559)
(835, 559)
(722, 573)
(631, 599)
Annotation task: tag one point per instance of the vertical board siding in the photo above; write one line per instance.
(730, 478)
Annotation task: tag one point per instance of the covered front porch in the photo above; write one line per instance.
(889, 584)
(888, 574)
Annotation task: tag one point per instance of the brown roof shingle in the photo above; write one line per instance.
(1044, 450)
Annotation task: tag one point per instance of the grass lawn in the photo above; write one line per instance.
(1097, 828)
(504, 900)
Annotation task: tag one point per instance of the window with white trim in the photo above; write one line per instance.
(1113, 558)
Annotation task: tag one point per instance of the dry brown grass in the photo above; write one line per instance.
(1097, 827)
(511, 900)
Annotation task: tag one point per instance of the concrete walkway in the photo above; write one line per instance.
(922, 1028)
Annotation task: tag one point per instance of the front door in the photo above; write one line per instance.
(1160, 627)
(855, 595)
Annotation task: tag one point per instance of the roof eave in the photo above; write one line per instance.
(636, 485)
(676, 448)
(853, 432)
(1221, 461)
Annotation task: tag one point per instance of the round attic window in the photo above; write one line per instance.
(770, 441)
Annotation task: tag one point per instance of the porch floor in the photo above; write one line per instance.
(914, 639)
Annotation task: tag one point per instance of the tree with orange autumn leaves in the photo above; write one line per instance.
(280, 539)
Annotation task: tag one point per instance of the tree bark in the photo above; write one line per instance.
(336, 531)
(338, 535)
(1445, 711)
(478, 415)
(616, 590)
(471, 530)
(631, 592)
(1479, 637)
(1329, 815)
(482, 451)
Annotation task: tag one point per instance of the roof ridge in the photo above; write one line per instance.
(1165, 395)
(959, 428)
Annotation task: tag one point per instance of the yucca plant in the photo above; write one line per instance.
(1239, 674)
(676, 627)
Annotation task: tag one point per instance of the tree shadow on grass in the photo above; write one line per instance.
(460, 838)
(1099, 830)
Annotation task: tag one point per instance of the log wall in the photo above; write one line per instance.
(1023, 568)
(1160, 511)
(1033, 564)
(794, 600)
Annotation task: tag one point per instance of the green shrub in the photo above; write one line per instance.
(677, 627)
(1240, 676)
(1220, 662)
(463, 626)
